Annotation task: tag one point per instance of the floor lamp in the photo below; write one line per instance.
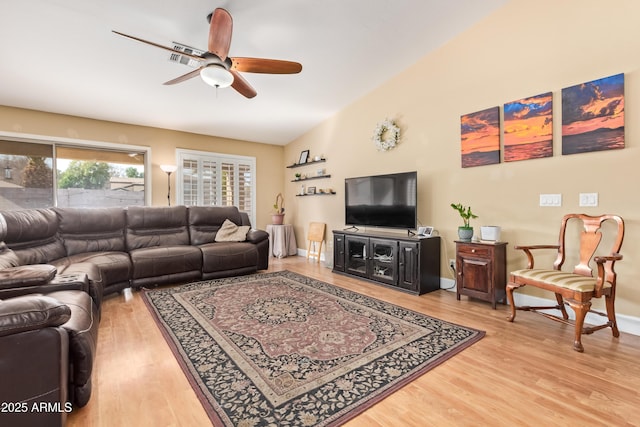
(168, 169)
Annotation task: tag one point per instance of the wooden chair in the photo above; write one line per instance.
(315, 235)
(579, 287)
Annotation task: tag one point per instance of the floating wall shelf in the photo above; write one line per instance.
(317, 194)
(311, 177)
(299, 165)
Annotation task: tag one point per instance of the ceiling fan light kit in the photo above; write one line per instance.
(216, 76)
(216, 68)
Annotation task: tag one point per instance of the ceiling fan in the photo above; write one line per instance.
(216, 67)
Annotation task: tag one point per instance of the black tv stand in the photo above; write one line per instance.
(406, 263)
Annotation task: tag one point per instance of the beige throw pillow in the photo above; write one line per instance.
(230, 232)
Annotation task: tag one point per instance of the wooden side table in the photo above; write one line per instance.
(282, 240)
(481, 271)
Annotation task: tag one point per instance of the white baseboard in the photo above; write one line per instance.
(627, 324)
(303, 253)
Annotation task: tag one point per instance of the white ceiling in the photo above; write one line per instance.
(61, 56)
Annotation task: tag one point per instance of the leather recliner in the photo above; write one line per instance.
(34, 297)
(47, 348)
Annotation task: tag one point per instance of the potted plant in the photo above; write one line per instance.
(298, 176)
(278, 216)
(465, 232)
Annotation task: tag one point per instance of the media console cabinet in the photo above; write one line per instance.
(410, 263)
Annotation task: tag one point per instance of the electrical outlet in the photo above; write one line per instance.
(452, 264)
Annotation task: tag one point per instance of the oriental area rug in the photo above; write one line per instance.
(282, 349)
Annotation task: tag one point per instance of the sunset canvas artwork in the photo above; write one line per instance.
(528, 128)
(480, 137)
(593, 116)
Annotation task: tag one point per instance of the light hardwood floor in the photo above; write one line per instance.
(522, 373)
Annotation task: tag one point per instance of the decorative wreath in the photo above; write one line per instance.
(392, 131)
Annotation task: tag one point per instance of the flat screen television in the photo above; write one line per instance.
(382, 200)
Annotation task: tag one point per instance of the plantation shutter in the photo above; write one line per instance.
(209, 183)
(245, 187)
(189, 182)
(211, 179)
(228, 189)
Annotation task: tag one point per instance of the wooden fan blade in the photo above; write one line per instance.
(189, 75)
(242, 86)
(267, 66)
(196, 57)
(220, 31)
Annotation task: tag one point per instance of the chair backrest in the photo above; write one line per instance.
(590, 239)
(316, 232)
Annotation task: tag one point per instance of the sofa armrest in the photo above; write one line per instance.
(257, 236)
(26, 275)
(31, 312)
(42, 278)
(260, 238)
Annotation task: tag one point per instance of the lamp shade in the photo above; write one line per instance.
(216, 76)
(168, 168)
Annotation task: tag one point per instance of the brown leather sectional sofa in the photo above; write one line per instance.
(57, 264)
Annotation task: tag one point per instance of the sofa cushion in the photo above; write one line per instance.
(230, 232)
(165, 261)
(111, 267)
(228, 256)
(91, 230)
(156, 226)
(32, 235)
(205, 221)
(29, 312)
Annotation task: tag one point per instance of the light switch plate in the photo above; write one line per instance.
(588, 199)
(550, 200)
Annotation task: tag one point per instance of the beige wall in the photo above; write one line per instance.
(526, 48)
(163, 145)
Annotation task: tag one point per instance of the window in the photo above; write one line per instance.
(27, 175)
(40, 174)
(211, 179)
(89, 177)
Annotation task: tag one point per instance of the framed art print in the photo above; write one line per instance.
(304, 156)
(528, 128)
(480, 138)
(593, 116)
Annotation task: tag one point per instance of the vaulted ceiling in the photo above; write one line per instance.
(61, 56)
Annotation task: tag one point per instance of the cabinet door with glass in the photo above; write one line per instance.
(384, 260)
(356, 252)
